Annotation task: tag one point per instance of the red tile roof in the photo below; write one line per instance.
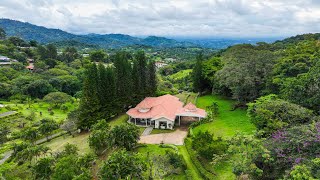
(191, 110)
(167, 106)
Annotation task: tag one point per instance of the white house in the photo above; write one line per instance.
(164, 112)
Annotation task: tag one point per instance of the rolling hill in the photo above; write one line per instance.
(45, 35)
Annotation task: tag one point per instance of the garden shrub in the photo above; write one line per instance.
(169, 146)
(64, 108)
(176, 160)
(206, 146)
(269, 114)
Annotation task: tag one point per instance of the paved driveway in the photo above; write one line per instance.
(176, 138)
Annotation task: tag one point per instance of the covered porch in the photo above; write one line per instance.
(143, 122)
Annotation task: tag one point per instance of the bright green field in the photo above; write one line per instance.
(181, 74)
(228, 122)
(58, 115)
(225, 125)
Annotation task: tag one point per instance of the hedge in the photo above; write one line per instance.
(204, 173)
(169, 146)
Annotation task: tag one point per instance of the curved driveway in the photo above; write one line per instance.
(176, 138)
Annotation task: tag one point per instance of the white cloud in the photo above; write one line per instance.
(238, 18)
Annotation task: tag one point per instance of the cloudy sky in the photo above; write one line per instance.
(208, 18)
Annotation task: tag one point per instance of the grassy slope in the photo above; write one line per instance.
(81, 141)
(190, 166)
(225, 125)
(228, 122)
(181, 74)
(185, 98)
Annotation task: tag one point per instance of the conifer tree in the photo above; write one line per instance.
(152, 79)
(136, 81)
(142, 73)
(197, 76)
(89, 110)
(123, 72)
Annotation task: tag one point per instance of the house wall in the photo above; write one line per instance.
(170, 124)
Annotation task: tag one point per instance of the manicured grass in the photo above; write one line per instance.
(118, 120)
(3, 109)
(141, 129)
(159, 131)
(58, 115)
(226, 125)
(228, 122)
(80, 140)
(42, 107)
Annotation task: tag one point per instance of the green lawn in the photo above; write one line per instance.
(118, 120)
(159, 131)
(225, 125)
(181, 74)
(80, 140)
(42, 107)
(228, 122)
(3, 109)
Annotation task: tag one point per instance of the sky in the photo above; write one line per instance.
(182, 18)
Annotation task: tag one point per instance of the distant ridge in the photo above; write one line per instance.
(45, 35)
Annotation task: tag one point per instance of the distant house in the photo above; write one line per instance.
(30, 67)
(164, 112)
(170, 59)
(160, 64)
(4, 59)
(85, 55)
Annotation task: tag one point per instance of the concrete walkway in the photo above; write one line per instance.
(8, 113)
(147, 131)
(8, 154)
(176, 138)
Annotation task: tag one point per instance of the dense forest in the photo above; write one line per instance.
(279, 84)
(276, 84)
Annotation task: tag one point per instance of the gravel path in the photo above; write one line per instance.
(147, 131)
(176, 138)
(8, 113)
(8, 154)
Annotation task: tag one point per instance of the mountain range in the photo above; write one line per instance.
(45, 35)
